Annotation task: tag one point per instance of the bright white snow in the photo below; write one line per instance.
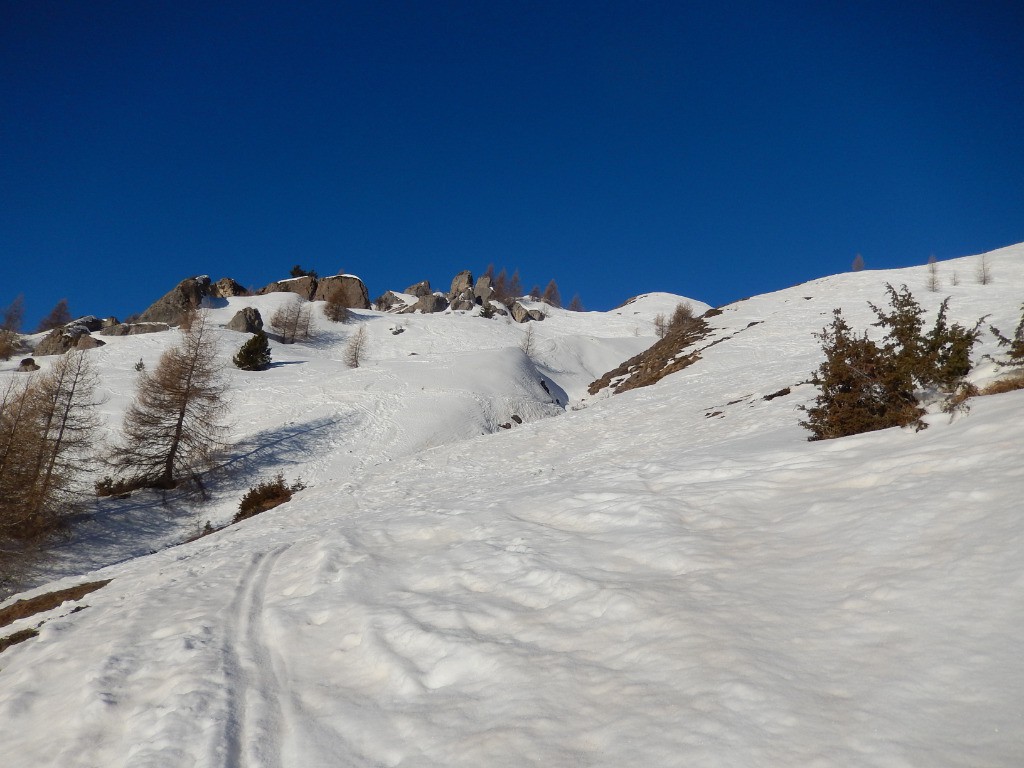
(669, 577)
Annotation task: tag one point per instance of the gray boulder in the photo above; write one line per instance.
(465, 300)
(247, 320)
(390, 301)
(226, 288)
(304, 286)
(134, 329)
(346, 290)
(28, 365)
(483, 290)
(60, 340)
(519, 313)
(420, 289)
(461, 282)
(90, 322)
(436, 302)
(185, 297)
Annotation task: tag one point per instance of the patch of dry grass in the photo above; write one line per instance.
(33, 605)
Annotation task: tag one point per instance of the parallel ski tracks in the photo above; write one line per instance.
(254, 720)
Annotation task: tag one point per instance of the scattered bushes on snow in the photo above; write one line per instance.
(1014, 344)
(682, 320)
(865, 386)
(292, 321)
(266, 495)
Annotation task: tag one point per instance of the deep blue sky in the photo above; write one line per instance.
(715, 150)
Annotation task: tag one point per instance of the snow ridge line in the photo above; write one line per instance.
(253, 719)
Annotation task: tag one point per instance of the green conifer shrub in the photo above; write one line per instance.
(254, 354)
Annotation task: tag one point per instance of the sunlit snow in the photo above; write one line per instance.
(672, 576)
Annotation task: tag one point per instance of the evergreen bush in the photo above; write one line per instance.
(254, 354)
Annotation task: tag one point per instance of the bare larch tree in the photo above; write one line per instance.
(178, 418)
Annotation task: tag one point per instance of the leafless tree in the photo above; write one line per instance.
(179, 416)
(13, 314)
(576, 305)
(984, 272)
(49, 440)
(292, 321)
(551, 295)
(515, 286)
(336, 310)
(356, 347)
(933, 274)
(59, 316)
(526, 343)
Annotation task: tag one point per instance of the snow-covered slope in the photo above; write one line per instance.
(671, 576)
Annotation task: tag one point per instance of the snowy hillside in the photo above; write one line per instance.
(672, 576)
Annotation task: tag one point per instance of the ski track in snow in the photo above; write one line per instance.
(253, 723)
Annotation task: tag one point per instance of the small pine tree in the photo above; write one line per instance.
(576, 305)
(254, 354)
(858, 263)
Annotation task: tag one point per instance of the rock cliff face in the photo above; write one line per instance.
(347, 290)
(74, 335)
(180, 300)
(303, 286)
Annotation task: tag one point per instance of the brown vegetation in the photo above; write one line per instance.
(177, 419)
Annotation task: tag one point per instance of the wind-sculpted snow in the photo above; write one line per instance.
(633, 583)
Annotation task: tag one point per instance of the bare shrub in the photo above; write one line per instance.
(984, 272)
(336, 311)
(682, 321)
(933, 274)
(526, 343)
(356, 348)
(292, 321)
(266, 495)
(10, 343)
(1010, 383)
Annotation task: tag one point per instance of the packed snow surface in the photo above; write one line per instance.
(669, 577)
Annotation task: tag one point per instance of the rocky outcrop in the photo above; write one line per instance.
(27, 366)
(483, 289)
(247, 320)
(465, 300)
(60, 340)
(436, 302)
(134, 329)
(304, 286)
(419, 290)
(225, 288)
(462, 282)
(172, 307)
(391, 301)
(347, 290)
(89, 322)
(523, 314)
